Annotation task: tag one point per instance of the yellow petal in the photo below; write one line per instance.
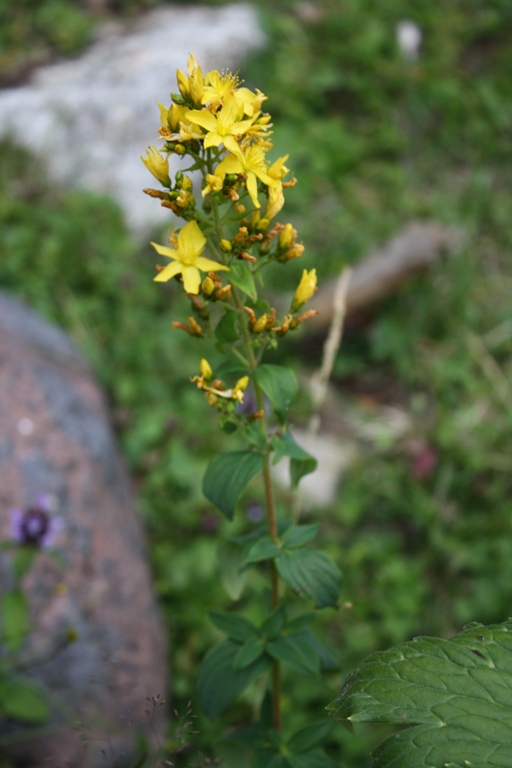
(163, 250)
(191, 279)
(172, 269)
(252, 188)
(208, 265)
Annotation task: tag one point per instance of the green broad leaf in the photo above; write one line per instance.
(241, 276)
(249, 652)
(274, 624)
(227, 329)
(219, 683)
(22, 700)
(311, 574)
(254, 435)
(14, 618)
(300, 535)
(235, 627)
(280, 386)
(456, 694)
(296, 653)
(266, 758)
(301, 462)
(227, 476)
(309, 736)
(263, 549)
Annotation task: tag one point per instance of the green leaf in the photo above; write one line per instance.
(296, 653)
(218, 683)
(456, 694)
(264, 549)
(22, 700)
(235, 627)
(274, 624)
(241, 276)
(327, 659)
(253, 433)
(249, 652)
(14, 618)
(310, 573)
(309, 736)
(280, 386)
(300, 535)
(301, 462)
(227, 329)
(228, 475)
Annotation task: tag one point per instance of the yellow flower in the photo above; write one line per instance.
(238, 389)
(305, 289)
(252, 164)
(223, 126)
(157, 165)
(217, 86)
(215, 184)
(186, 258)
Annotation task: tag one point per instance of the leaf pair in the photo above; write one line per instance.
(308, 572)
(249, 651)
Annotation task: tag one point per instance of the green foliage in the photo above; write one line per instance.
(455, 693)
(227, 477)
(280, 386)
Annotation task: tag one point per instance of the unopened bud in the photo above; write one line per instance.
(208, 286)
(182, 83)
(206, 371)
(240, 208)
(180, 149)
(286, 237)
(226, 245)
(260, 324)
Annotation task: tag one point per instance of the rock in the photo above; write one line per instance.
(56, 439)
(92, 118)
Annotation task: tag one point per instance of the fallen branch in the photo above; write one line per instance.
(411, 251)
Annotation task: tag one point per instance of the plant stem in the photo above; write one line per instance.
(269, 491)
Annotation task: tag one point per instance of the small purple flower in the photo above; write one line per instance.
(35, 526)
(255, 512)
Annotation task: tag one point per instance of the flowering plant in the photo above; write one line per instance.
(230, 210)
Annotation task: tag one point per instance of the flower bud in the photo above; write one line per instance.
(226, 245)
(286, 237)
(182, 83)
(305, 289)
(180, 149)
(206, 371)
(239, 388)
(260, 324)
(157, 165)
(186, 184)
(208, 286)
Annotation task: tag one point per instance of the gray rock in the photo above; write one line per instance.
(93, 117)
(56, 439)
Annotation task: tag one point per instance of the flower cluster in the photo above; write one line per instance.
(229, 204)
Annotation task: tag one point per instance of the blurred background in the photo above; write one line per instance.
(394, 114)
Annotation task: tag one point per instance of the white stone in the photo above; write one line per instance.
(94, 116)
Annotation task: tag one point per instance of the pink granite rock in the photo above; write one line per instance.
(55, 439)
